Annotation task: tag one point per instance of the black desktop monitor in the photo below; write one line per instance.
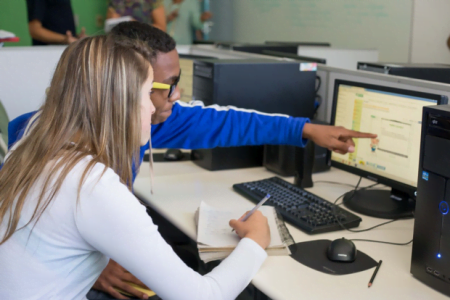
(392, 159)
(257, 48)
(295, 56)
(313, 44)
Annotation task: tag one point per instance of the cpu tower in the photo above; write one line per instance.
(264, 85)
(431, 243)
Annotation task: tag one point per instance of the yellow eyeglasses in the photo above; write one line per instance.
(164, 86)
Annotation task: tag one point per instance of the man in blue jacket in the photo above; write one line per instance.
(176, 124)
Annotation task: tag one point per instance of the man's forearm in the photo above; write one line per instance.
(308, 129)
(48, 36)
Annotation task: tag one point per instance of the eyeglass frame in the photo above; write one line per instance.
(165, 86)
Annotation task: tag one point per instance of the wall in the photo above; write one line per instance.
(222, 30)
(25, 73)
(378, 24)
(13, 17)
(431, 28)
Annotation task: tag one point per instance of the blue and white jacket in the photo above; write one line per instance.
(194, 126)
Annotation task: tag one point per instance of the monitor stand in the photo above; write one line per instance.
(380, 203)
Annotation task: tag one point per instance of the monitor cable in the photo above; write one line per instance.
(367, 229)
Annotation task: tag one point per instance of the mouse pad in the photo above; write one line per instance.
(313, 254)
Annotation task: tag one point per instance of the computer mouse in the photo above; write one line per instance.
(341, 250)
(173, 154)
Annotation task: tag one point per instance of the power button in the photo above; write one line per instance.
(443, 207)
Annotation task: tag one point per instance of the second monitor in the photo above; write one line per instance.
(395, 115)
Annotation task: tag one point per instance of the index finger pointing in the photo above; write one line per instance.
(358, 134)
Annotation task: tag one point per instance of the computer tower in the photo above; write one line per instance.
(286, 160)
(268, 86)
(430, 72)
(431, 241)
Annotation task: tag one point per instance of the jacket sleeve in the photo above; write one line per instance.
(194, 126)
(16, 128)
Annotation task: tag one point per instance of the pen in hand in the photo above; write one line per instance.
(255, 209)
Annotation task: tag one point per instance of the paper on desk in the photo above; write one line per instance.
(214, 230)
(213, 227)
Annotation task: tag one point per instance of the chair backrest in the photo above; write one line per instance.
(4, 120)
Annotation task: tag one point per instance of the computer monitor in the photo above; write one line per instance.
(295, 56)
(314, 44)
(257, 48)
(392, 159)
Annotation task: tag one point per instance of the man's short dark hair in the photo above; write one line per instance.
(156, 39)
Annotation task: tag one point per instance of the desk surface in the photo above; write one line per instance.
(180, 187)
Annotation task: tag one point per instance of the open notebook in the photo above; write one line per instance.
(216, 241)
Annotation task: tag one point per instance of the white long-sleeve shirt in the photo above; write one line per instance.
(71, 244)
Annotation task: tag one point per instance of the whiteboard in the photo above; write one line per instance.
(362, 24)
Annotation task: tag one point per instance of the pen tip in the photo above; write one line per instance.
(369, 285)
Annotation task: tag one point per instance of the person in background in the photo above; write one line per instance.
(146, 11)
(184, 17)
(52, 22)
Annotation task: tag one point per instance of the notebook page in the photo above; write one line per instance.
(214, 230)
(213, 227)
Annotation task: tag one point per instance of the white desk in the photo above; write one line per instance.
(177, 196)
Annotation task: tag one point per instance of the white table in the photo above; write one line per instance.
(180, 187)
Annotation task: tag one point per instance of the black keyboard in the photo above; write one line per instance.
(302, 209)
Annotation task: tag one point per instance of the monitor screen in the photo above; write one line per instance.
(395, 115)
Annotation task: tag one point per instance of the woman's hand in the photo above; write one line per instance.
(255, 227)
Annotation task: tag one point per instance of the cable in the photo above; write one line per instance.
(319, 103)
(367, 229)
(382, 242)
(362, 230)
(334, 182)
(319, 84)
(346, 184)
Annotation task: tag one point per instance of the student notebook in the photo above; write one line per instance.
(215, 240)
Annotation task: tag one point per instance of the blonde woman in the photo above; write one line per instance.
(66, 205)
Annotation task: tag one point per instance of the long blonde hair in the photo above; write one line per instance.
(92, 108)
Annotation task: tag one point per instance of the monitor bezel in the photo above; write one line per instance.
(441, 99)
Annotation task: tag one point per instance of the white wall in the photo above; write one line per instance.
(360, 24)
(402, 30)
(25, 73)
(431, 28)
